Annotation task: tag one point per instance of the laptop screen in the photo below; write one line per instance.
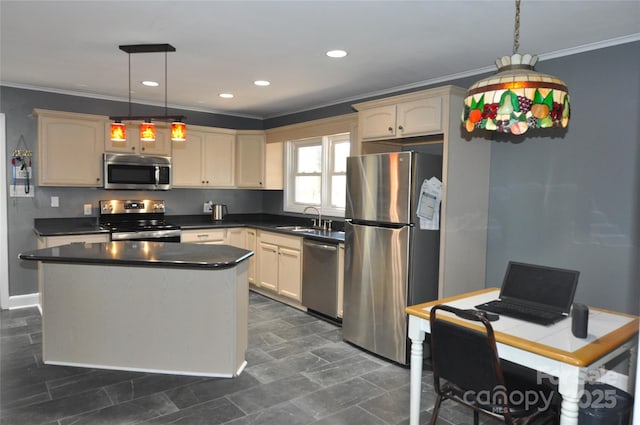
(540, 286)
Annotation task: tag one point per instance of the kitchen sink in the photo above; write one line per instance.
(297, 228)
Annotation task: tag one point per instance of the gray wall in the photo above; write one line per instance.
(560, 198)
(572, 201)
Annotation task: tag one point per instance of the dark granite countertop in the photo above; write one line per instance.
(146, 254)
(89, 225)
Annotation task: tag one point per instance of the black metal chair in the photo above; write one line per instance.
(467, 369)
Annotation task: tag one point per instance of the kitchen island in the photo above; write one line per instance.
(157, 307)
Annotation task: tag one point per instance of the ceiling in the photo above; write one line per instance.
(223, 46)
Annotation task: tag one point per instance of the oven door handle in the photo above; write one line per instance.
(157, 175)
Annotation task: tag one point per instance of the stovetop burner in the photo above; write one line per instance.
(133, 215)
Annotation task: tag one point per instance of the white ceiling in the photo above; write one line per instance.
(223, 46)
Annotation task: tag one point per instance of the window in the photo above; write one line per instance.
(317, 174)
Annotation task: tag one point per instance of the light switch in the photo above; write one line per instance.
(87, 209)
(55, 201)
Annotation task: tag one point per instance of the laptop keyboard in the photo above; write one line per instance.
(522, 312)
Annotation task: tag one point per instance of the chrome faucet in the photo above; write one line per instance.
(319, 223)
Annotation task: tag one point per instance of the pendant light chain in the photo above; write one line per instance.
(516, 30)
(165, 84)
(129, 56)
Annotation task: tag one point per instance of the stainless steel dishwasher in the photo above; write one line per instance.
(320, 277)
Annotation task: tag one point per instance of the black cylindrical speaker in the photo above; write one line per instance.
(579, 320)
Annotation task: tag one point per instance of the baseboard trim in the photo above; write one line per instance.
(24, 301)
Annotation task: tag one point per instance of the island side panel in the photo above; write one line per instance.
(185, 321)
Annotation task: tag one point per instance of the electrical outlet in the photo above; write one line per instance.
(55, 201)
(206, 207)
(87, 209)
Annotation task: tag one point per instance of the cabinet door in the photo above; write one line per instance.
(70, 150)
(289, 273)
(162, 144)
(218, 159)
(274, 166)
(235, 237)
(378, 123)
(130, 145)
(268, 266)
(250, 160)
(186, 166)
(250, 244)
(419, 117)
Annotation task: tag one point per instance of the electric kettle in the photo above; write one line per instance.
(218, 211)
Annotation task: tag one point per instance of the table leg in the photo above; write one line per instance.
(417, 338)
(570, 385)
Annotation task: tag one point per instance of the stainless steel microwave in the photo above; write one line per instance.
(124, 171)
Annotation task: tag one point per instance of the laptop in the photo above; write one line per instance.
(533, 293)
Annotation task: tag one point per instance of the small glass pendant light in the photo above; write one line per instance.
(118, 132)
(147, 132)
(178, 131)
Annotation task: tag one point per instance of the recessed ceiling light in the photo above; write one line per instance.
(336, 53)
(261, 83)
(150, 83)
(226, 95)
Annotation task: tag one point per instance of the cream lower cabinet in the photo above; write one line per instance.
(235, 237)
(204, 236)
(280, 264)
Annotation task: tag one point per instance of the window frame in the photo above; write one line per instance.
(328, 160)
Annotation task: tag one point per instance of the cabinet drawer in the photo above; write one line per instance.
(292, 242)
(203, 236)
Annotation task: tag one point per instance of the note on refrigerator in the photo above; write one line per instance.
(429, 204)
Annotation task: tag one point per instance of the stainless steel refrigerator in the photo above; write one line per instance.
(389, 261)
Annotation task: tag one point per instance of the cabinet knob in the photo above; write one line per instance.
(133, 148)
(142, 149)
(400, 128)
(390, 129)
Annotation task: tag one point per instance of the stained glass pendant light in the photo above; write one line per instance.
(517, 97)
(147, 128)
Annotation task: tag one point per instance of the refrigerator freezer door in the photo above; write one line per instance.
(375, 297)
(379, 187)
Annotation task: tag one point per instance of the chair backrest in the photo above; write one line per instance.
(467, 359)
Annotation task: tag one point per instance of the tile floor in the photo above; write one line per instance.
(299, 372)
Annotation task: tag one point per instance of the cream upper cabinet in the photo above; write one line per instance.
(378, 123)
(274, 166)
(133, 144)
(403, 119)
(206, 159)
(70, 148)
(250, 159)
